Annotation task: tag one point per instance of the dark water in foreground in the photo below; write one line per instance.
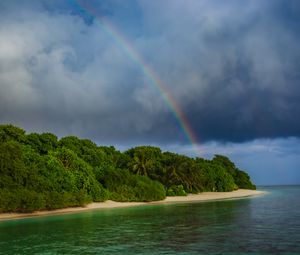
(262, 225)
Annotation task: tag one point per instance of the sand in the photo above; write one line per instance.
(202, 197)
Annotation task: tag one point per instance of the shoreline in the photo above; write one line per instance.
(201, 197)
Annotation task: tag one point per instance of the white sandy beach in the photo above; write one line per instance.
(202, 197)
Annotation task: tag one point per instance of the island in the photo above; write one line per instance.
(41, 173)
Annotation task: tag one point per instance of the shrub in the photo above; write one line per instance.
(176, 191)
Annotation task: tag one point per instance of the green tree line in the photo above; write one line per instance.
(42, 172)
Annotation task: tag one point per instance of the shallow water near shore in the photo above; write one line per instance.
(260, 225)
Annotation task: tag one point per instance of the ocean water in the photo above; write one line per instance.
(268, 224)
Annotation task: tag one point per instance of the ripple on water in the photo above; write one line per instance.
(267, 224)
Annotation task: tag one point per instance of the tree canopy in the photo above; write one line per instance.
(40, 171)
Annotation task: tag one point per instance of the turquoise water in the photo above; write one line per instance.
(263, 225)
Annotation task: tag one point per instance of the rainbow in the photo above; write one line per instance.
(147, 70)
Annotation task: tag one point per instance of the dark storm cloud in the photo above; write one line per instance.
(239, 66)
(233, 67)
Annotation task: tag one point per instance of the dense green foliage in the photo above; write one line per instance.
(125, 186)
(39, 171)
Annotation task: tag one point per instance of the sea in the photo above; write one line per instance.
(268, 224)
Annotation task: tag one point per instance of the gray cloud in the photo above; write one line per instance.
(232, 66)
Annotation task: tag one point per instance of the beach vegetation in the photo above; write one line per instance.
(42, 172)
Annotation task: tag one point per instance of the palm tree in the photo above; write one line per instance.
(141, 165)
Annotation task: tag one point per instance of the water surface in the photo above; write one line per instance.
(263, 225)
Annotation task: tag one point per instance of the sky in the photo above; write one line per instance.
(197, 77)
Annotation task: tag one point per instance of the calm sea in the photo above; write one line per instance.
(263, 225)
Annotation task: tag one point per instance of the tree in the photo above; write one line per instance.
(10, 132)
(243, 181)
(144, 160)
(42, 143)
(226, 163)
(39, 172)
(12, 167)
